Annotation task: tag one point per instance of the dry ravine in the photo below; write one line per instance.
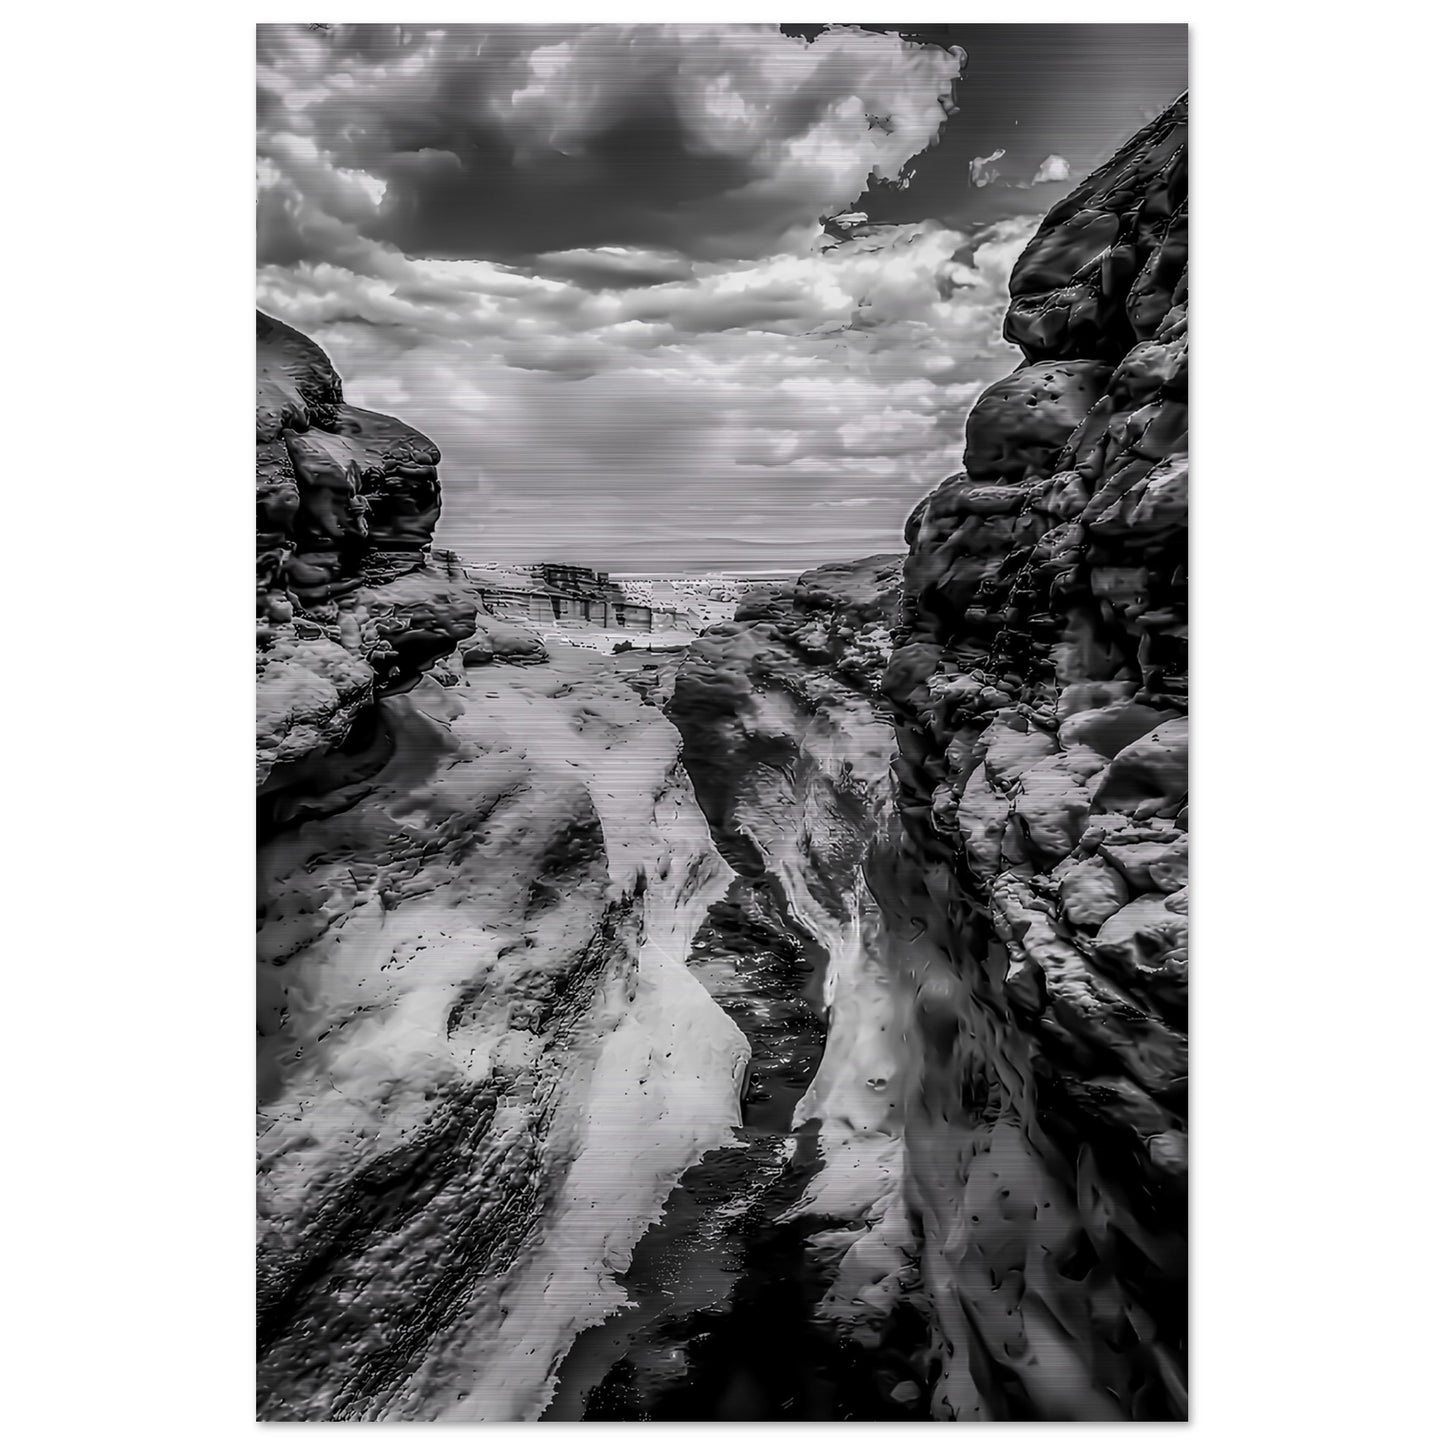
(521, 999)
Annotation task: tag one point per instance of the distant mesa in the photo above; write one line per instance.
(571, 597)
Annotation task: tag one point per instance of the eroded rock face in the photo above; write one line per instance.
(346, 501)
(788, 745)
(780, 715)
(482, 1060)
(1037, 889)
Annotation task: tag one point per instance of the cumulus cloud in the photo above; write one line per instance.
(985, 171)
(679, 368)
(630, 424)
(981, 169)
(1054, 168)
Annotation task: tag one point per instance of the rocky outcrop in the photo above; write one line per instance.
(347, 609)
(783, 701)
(483, 1061)
(1037, 888)
(788, 745)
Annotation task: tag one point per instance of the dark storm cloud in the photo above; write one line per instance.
(634, 181)
(1040, 94)
(505, 143)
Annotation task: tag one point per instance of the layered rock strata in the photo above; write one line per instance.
(1037, 888)
(483, 1059)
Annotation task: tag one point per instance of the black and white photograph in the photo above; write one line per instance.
(722, 722)
(651, 879)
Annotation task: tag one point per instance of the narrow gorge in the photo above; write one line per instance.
(788, 1026)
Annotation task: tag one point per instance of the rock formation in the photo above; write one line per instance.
(1037, 889)
(782, 726)
(788, 745)
(346, 501)
(482, 1060)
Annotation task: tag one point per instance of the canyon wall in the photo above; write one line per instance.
(789, 747)
(482, 1061)
(1036, 885)
(959, 777)
(346, 501)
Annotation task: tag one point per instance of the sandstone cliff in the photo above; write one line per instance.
(1038, 886)
(483, 1061)
(788, 745)
(346, 502)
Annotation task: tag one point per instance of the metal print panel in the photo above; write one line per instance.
(722, 722)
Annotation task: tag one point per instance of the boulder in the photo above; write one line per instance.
(1147, 941)
(1091, 892)
(1018, 427)
(1150, 774)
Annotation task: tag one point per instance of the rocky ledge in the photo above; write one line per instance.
(348, 609)
(1038, 890)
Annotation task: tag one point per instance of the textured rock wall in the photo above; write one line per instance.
(1037, 889)
(346, 501)
(788, 745)
(482, 1060)
(782, 703)
(475, 913)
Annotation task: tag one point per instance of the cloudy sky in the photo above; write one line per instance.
(602, 266)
